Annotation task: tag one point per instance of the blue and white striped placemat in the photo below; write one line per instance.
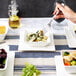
(44, 61)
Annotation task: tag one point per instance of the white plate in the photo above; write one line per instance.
(60, 67)
(71, 36)
(10, 65)
(23, 46)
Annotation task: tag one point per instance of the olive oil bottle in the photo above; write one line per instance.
(14, 21)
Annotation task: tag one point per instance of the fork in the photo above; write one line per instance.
(55, 15)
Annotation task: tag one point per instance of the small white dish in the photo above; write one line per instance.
(10, 65)
(71, 39)
(6, 48)
(60, 69)
(2, 69)
(70, 35)
(69, 69)
(4, 22)
(58, 28)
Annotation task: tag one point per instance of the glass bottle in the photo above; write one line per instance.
(14, 20)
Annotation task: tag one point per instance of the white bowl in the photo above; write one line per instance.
(69, 69)
(39, 43)
(5, 64)
(3, 22)
(6, 48)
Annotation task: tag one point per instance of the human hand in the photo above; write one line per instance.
(64, 12)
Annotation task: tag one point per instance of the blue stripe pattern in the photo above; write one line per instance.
(41, 67)
(58, 47)
(59, 37)
(12, 37)
(55, 37)
(36, 54)
(63, 47)
(13, 47)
